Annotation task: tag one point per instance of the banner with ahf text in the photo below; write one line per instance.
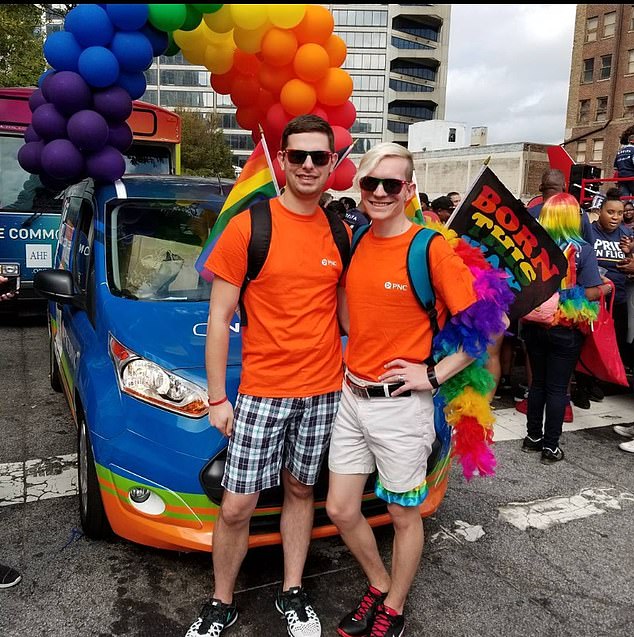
(491, 218)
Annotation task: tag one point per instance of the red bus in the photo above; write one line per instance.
(30, 213)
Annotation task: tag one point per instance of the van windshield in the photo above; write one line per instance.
(153, 246)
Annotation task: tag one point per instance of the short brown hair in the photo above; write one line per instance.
(308, 124)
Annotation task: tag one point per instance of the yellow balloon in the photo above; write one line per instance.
(286, 16)
(196, 54)
(213, 37)
(248, 16)
(188, 39)
(220, 21)
(250, 40)
(218, 60)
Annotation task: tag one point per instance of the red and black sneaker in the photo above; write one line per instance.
(387, 623)
(359, 621)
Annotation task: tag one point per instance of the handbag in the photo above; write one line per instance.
(600, 355)
(545, 312)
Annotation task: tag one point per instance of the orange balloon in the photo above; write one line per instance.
(298, 97)
(311, 62)
(316, 26)
(273, 78)
(278, 47)
(336, 49)
(335, 88)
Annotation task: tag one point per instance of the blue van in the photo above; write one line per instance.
(127, 321)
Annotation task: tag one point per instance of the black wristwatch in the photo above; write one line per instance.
(431, 376)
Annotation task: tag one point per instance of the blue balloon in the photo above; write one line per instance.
(107, 165)
(133, 83)
(68, 91)
(88, 131)
(48, 122)
(128, 17)
(62, 51)
(90, 25)
(61, 160)
(98, 66)
(133, 51)
(158, 39)
(114, 103)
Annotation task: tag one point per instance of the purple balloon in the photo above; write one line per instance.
(48, 122)
(68, 91)
(106, 165)
(36, 99)
(30, 135)
(88, 131)
(113, 103)
(30, 157)
(120, 136)
(61, 160)
(54, 184)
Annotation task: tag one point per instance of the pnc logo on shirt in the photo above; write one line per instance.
(328, 262)
(399, 287)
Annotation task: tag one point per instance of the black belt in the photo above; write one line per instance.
(375, 391)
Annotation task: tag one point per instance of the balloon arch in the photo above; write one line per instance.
(275, 61)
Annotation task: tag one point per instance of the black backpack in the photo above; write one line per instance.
(258, 250)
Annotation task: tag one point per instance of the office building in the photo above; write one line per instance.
(397, 58)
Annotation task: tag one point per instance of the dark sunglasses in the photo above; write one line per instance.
(391, 186)
(298, 157)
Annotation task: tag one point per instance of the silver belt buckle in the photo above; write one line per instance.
(357, 390)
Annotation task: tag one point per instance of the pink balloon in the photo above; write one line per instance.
(343, 115)
(343, 138)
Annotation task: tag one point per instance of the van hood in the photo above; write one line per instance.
(168, 333)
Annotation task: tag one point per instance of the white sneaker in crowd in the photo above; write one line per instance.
(627, 446)
(626, 432)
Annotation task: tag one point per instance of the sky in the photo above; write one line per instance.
(509, 70)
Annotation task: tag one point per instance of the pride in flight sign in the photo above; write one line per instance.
(491, 218)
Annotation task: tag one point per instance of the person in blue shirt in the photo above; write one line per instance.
(624, 166)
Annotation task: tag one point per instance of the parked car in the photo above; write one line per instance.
(128, 316)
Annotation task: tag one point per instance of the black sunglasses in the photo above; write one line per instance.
(298, 157)
(391, 186)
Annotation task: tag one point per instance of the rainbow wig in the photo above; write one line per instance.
(464, 397)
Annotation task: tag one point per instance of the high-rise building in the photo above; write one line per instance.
(397, 58)
(601, 94)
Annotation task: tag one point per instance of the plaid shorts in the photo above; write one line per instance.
(271, 433)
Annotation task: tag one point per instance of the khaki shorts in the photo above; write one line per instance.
(393, 435)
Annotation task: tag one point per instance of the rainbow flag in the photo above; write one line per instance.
(413, 210)
(255, 183)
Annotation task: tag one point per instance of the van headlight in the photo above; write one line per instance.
(149, 382)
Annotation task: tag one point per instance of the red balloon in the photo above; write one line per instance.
(343, 138)
(222, 82)
(279, 173)
(329, 182)
(343, 115)
(344, 175)
(247, 117)
(245, 63)
(244, 90)
(276, 120)
(273, 78)
(320, 112)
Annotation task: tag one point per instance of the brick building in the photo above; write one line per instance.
(601, 93)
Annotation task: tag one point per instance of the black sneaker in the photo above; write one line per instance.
(580, 398)
(8, 576)
(359, 621)
(550, 456)
(215, 617)
(531, 444)
(301, 619)
(387, 623)
(595, 393)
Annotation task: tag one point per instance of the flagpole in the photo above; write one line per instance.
(345, 154)
(268, 159)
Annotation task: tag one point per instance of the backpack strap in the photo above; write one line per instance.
(356, 237)
(258, 249)
(340, 237)
(419, 274)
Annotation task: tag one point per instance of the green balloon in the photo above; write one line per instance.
(193, 18)
(207, 8)
(167, 17)
(172, 47)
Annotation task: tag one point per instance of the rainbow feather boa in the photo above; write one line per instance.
(464, 397)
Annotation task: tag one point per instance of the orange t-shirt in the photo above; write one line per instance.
(386, 320)
(291, 347)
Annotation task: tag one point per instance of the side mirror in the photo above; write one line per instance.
(58, 286)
